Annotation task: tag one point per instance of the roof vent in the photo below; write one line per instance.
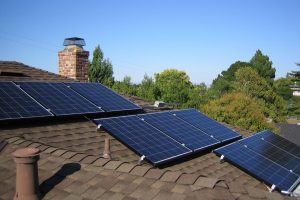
(74, 41)
(159, 104)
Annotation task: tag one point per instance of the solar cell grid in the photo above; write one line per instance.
(15, 104)
(272, 152)
(265, 169)
(207, 125)
(143, 138)
(280, 142)
(58, 98)
(180, 130)
(103, 97)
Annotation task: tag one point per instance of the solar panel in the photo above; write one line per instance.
(103, 97)
(59, 98)
(179, 130)
(207, 125)
(144, 138)
(263, 160)
(260, 166)
(15, 104)
(282, 157)
(280, 142)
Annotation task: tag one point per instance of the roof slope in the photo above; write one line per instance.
(15, 71)
(72, 166)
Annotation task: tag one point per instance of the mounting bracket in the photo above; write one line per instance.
(99, 127)
(272, 188)
(222, 158)
(141, 160)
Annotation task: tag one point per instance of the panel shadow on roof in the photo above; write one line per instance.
(266, 160)
(58, 98)
(103, 97)
(16, 104)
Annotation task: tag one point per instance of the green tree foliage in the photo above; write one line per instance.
(101, 70)
(294, 107)
(223, 83)
(173, 86)
(249, 82)
(196, 96)
(125, 87)
(238, 109)
(282, 87)
(295, 74)
(147, 89)
(263, 65)
(220, 86)
(229, 74)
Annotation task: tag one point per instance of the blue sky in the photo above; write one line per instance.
(138, 36)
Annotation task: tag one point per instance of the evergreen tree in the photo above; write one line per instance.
(249, 82)
(101, 70)
(263, 65)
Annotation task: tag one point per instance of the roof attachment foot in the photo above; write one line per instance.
(99, 127)
(222, 159)
(272, 188)
(141, 160)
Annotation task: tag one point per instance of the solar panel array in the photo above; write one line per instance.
(143, 133)
(103, 97)
(21, 100)
(269, 157)
(144, 138)
(14, 103)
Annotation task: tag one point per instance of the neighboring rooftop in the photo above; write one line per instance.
(291, 132)
(72, 166)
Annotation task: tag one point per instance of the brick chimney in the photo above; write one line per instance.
(73, 60)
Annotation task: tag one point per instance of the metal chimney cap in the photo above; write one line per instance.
(74, 41)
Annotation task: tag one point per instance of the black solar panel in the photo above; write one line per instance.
(281, 142)
(272, 152)
(103, 97)
(60, 99)
(179, 130)
(207, 125)
(266, 160)
(15, 104)
(144, 138)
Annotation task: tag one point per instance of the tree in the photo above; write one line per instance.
(229, 74)
(125, 86)
(101, 70)
(282, 87)
(249, 82)
(238, 109)
(220, 86)
(173, 86)
(196, 96)
(146, 89)
(295, 74)
(263, 65)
